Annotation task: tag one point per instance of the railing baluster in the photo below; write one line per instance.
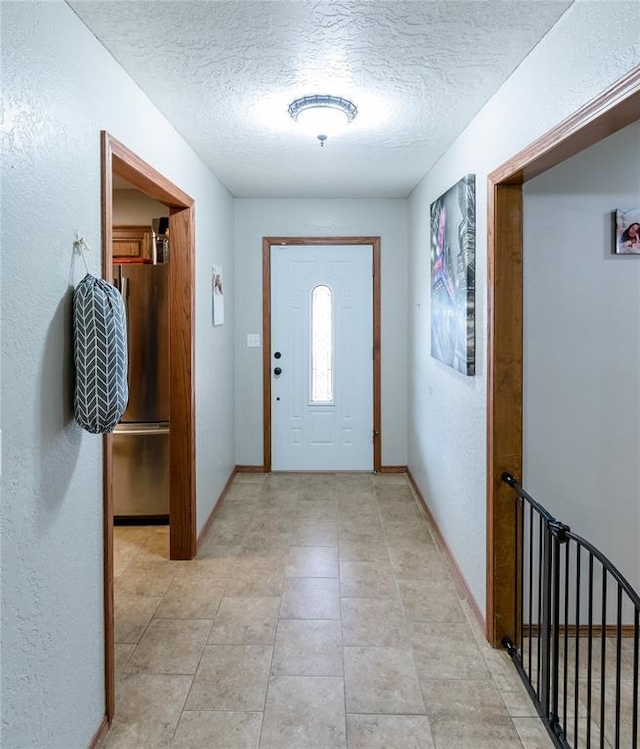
(576, 698)
(565, 671)
(618, 665)
(530, 585)
(546, 621)
(603, 656)
(517, 578)
(589, 651)
(554, 627)
(636, 668)
(521, 581)
(539, 622)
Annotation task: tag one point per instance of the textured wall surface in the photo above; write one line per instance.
(418, 70)
(60, 88)
(582, 348)
(324, 218)
(591, 46)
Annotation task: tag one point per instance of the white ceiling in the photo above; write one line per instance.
(224, 71)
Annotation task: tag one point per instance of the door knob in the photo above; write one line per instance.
(277, 371)
(277, 355)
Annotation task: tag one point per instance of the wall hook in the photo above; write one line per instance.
(80, 246)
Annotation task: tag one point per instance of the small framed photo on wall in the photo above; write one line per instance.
(217, 294)
(627, 241)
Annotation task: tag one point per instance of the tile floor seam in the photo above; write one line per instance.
(173, 733)
(409, 634)
(146, 626)
(193, 676)
(182, 618)
(236, 710)
(501, 693)
(273, 650)
(344, 673)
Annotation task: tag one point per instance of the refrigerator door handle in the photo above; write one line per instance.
(117, 277)
(124, 291)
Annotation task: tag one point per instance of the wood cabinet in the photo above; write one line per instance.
(131, 244)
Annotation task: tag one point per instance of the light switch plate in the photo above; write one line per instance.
(253, 340)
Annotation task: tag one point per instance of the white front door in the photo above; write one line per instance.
(322, 357)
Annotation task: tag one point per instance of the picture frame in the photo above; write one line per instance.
(627, 232)
(217, 295)
(453, 276)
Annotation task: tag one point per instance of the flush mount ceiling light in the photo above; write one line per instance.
(323, 115)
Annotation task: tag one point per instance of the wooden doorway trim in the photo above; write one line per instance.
(611, 111)
(267, 242)
(119, 160)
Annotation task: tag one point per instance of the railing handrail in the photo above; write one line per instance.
(566, 531)
(513, 483)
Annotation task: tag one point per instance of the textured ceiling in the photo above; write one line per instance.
(224, 71)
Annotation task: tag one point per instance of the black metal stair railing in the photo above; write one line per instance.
(576, 633)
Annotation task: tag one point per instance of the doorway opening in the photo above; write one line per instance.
(119, 161)
(611, 111)
(267, 244)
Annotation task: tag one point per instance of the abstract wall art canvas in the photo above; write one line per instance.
(453, 276)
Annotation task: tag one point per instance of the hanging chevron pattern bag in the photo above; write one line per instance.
(100, 355)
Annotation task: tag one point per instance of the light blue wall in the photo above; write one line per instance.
(592, 46)
(258, 218)
(582, 348)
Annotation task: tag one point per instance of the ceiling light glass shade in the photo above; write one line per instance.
(322, 115)
(322, 121)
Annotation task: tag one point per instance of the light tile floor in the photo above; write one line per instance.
(319, 614)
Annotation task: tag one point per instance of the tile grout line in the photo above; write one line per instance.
(344, 670)
(146, 626)
(273, 648)
(153, 618)
(408, 631)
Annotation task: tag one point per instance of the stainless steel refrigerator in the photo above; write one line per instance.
(141, 440)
